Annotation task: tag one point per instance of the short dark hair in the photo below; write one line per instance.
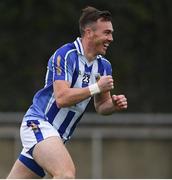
(90, 15)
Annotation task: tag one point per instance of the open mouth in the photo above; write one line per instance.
(106, 45)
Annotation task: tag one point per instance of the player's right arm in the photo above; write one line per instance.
(63, 69)
(66, 96)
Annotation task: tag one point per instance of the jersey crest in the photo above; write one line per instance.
(59, 71)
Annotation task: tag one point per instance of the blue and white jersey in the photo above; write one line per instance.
(67, 63)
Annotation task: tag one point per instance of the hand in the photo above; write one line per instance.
(120, 102)
(105, 83)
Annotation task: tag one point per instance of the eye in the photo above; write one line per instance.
(108, 32)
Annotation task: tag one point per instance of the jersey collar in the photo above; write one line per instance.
(80, 48)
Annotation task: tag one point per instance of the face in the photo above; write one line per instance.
(101, 36)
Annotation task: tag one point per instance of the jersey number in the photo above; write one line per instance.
(86, 78)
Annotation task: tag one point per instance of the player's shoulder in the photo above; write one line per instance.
(66, 49)
(104, 61)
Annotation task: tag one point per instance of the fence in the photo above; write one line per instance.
(116, 146)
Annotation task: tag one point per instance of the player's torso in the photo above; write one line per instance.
(81, 74)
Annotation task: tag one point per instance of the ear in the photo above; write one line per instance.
(88, 32)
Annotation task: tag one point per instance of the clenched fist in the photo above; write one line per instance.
(119, 101)
(105, 83)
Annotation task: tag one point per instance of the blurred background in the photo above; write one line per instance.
(136, 143)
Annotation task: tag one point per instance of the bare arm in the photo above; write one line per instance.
(106, 104)
(103, 103)
(66, 96)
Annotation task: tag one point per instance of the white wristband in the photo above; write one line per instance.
(94, 89)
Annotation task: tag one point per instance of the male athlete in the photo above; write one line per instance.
(76, 72)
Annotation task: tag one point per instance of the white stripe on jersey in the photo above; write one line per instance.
(66, 56)
(80, 45)
(95, 68)
(53, 64)
(70, 125)
(51, 101)
(59, 118)
(76, 45)
(46, 77)
(81, 73)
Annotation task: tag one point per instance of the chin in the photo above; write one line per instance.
(102, 53)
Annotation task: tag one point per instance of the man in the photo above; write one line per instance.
(76, 72)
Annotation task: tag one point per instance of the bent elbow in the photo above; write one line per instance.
(98, 110)
(101, 111)
(61, 103)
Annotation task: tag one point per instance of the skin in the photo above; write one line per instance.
(55, 160)
(95, 40)
(20, 171)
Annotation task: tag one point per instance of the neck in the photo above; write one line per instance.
(88, 50)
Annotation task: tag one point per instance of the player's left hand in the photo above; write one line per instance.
(120, 102)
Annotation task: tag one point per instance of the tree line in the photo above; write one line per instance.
(31, 30)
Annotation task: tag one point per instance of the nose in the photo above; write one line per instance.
(110, 37)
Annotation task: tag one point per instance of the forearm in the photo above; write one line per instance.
(105, 107)
(72, 96)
